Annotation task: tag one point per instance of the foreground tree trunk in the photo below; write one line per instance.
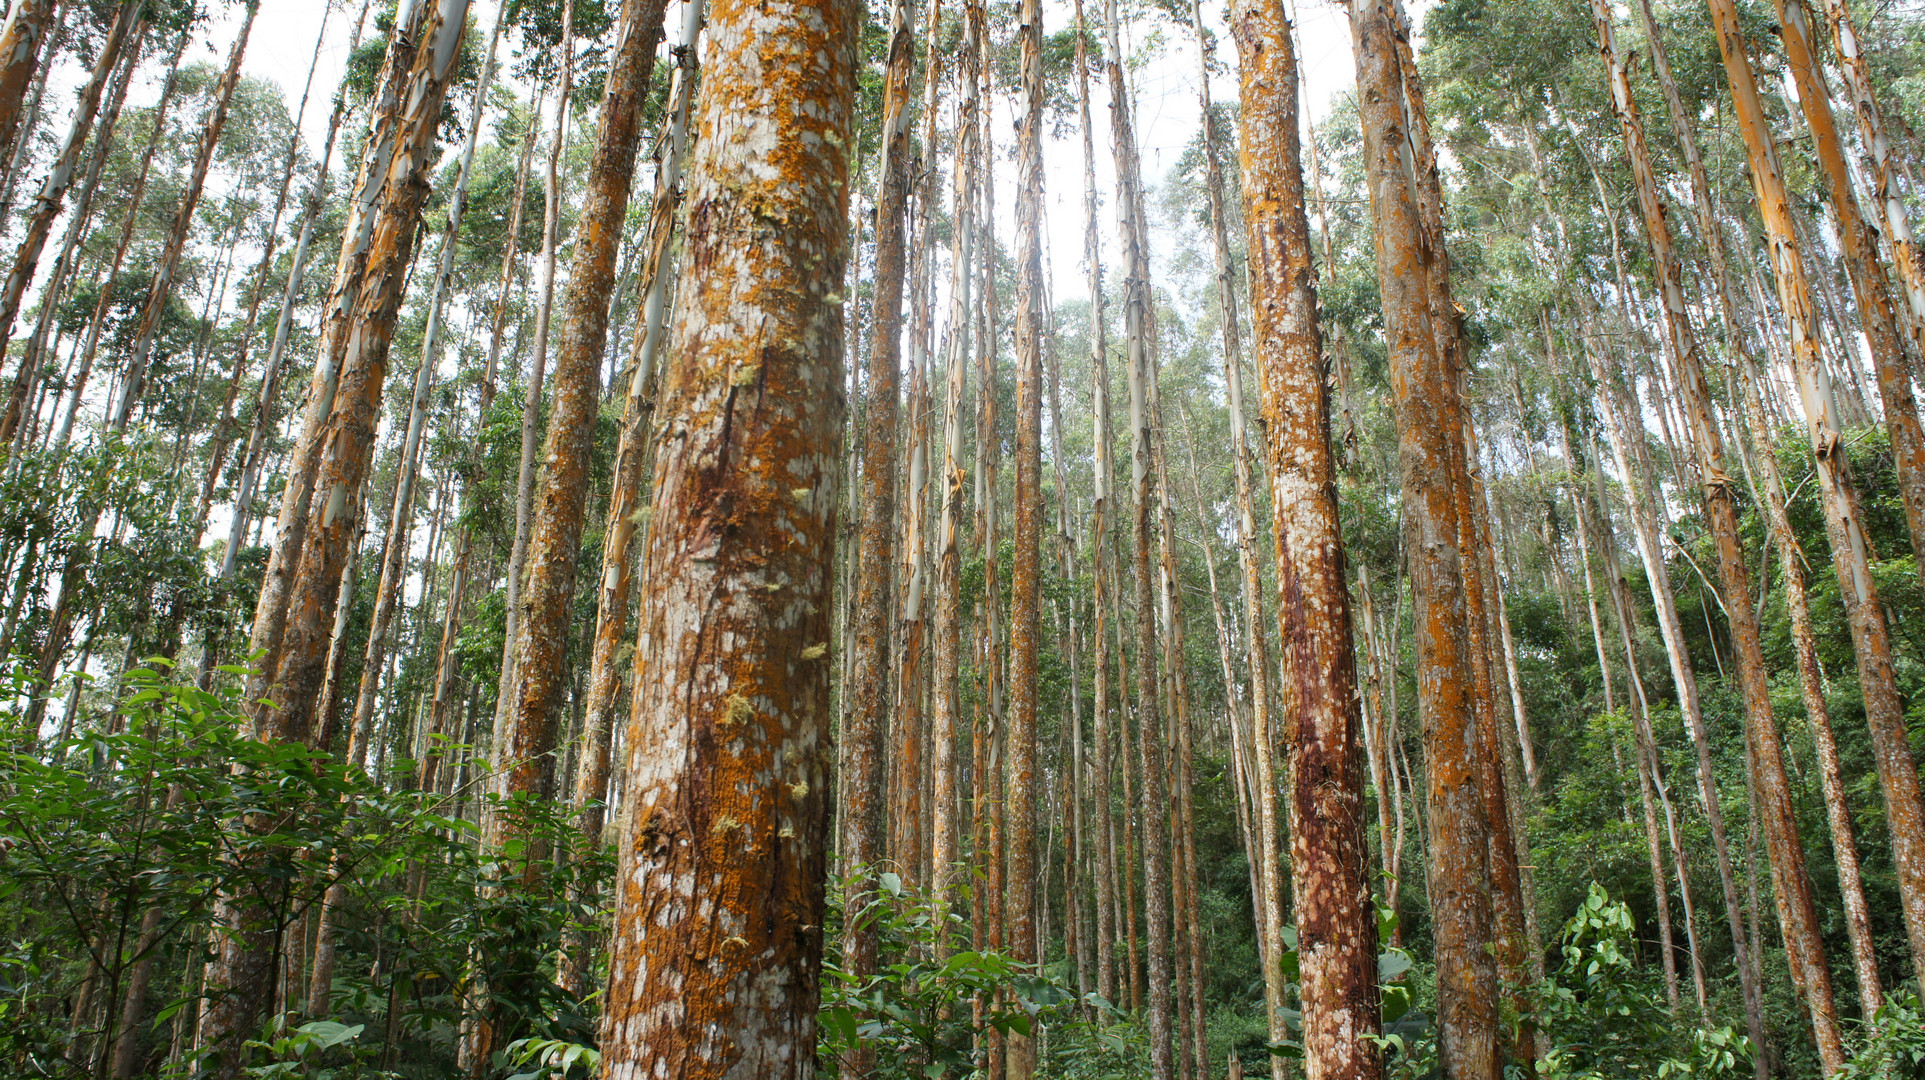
(27, 26)
(1851, 557)
(1023, 790)
(1430, 460)
(717, 943)
(1336, 921)
(1252, 22)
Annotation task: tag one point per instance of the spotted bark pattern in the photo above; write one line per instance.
(717, 942)
(1336, 922)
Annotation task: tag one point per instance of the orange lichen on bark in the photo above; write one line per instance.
(716, 947)
(1424, 392)
(1336, 921)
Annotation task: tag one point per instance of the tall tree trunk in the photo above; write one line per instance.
(27, 25)
(1425, 395)
(1877, 317)
(1023, 792)
(533, 387)
(251, 458)
(1252, 20)
(1811, 685)
(383, 161)
(125, 32)
(1797, 914)
(524, 755)
(728, 767)
(1336, 921)
(1139, 316)
(865, 725)
(945, 832)
(548, 593)
(908, 842)
(394, 557)
(634, 458)
(1888, 204)
(161, 291)
(1851, 557)
(393, 185)
(1106, 851)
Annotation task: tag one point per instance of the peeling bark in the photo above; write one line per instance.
(27, 26)
(1851, 556)
(718, 939)
(1336, 921)
(1424, 390)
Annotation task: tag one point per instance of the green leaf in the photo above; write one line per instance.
(1392, 964)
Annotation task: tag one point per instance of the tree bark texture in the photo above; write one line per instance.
(27, 26)
(1425, 396)
(1330, 881)
(717, 944)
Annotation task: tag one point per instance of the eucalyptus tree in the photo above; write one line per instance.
(315, 539)
(1844, 516)
(716, 947)
(27, 26)
(1336, 926)
(1425, 390)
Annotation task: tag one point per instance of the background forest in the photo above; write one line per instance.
(396, 854)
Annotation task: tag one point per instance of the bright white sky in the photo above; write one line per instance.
(283, 46)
